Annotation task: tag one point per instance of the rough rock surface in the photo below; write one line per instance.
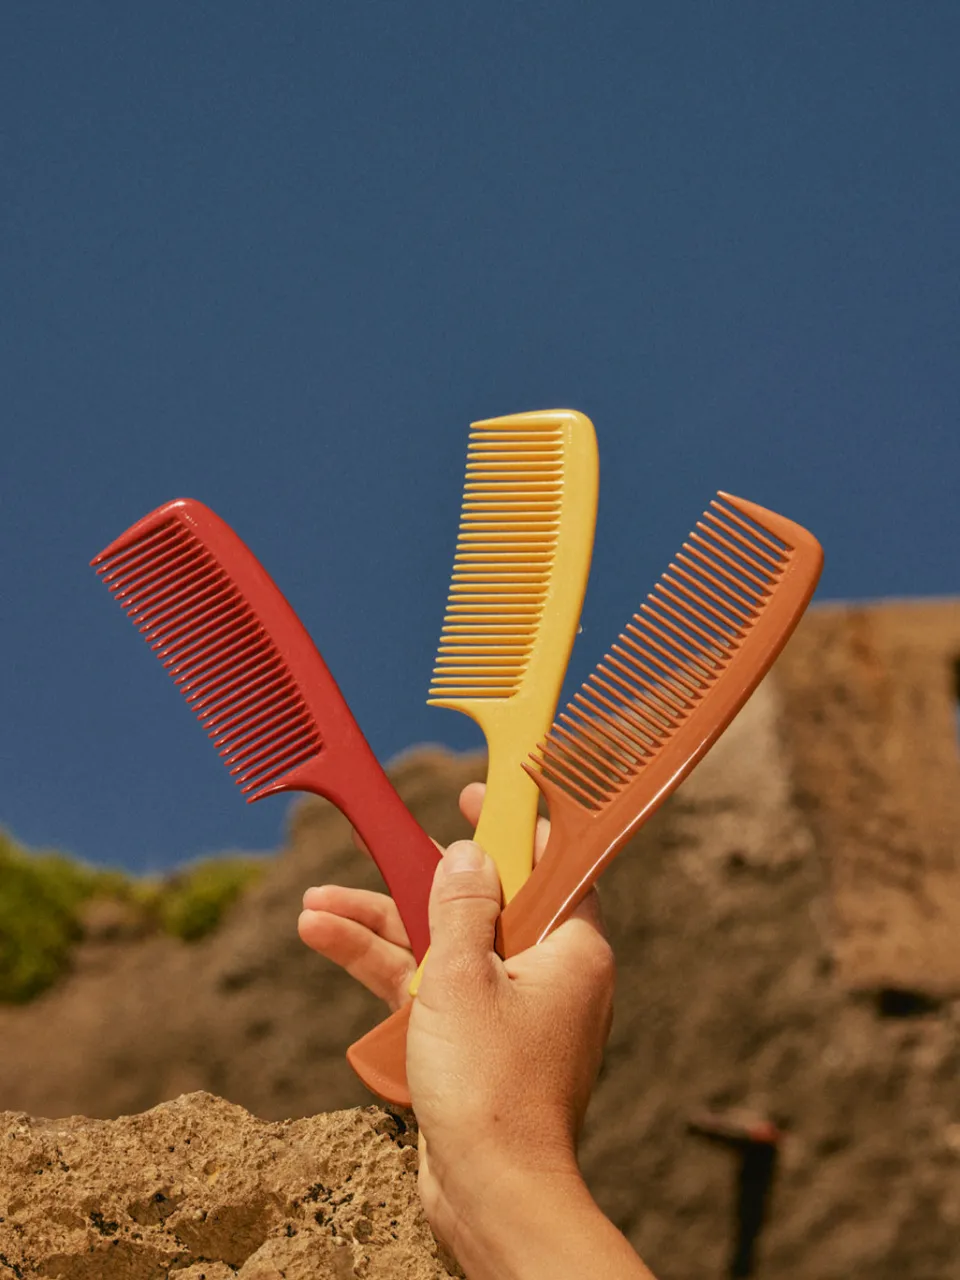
(871, 709)
(198, 1189)
(786, 930)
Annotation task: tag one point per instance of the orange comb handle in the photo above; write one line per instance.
(249, 670)
(678, 674)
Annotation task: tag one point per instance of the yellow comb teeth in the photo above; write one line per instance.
(509, 528)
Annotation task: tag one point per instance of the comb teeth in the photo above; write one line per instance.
(509, 524)
(669, 656)
(215, 647)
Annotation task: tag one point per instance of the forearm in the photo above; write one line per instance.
(542, 1229)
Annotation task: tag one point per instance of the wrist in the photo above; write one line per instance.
(521, 1224)
(511, 1223)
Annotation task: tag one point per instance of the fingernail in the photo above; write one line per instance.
(463, 856)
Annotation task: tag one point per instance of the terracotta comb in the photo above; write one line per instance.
(678, 674)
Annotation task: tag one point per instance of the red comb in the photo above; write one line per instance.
(246, 665)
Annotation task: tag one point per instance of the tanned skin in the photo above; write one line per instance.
(502, 1057)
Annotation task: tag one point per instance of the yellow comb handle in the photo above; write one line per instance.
(508, 820)
(506, 828)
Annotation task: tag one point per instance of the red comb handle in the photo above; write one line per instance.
(353, 779)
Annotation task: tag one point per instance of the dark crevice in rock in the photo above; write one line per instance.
(899, 1002)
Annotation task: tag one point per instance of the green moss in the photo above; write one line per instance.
(191, 904)
(42, 894)
(39, 896)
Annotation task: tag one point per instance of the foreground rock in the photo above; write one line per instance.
(198, 1189)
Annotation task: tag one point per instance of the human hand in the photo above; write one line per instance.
(501, 1060)
(571, 970)
(502, 1055)
(362, 932)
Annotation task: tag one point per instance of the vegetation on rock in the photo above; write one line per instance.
(42, 896)
(190, 904)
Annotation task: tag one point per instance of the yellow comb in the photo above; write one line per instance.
(519, 577)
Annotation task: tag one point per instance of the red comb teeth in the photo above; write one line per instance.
(251, 674)
(174, 590)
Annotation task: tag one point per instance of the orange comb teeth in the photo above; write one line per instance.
(724, 582)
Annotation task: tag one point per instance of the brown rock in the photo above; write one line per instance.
(786, 932)
(200, 1189)
(870, 697)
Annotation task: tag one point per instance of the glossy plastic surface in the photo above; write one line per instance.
(249, 670)
(519, 578)
(677, 676)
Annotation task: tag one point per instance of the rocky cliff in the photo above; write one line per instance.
(787, 931)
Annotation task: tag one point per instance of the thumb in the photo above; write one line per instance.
(464, 907)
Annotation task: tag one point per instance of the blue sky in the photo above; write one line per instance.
(277, 256)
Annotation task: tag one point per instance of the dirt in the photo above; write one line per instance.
(786, 931)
